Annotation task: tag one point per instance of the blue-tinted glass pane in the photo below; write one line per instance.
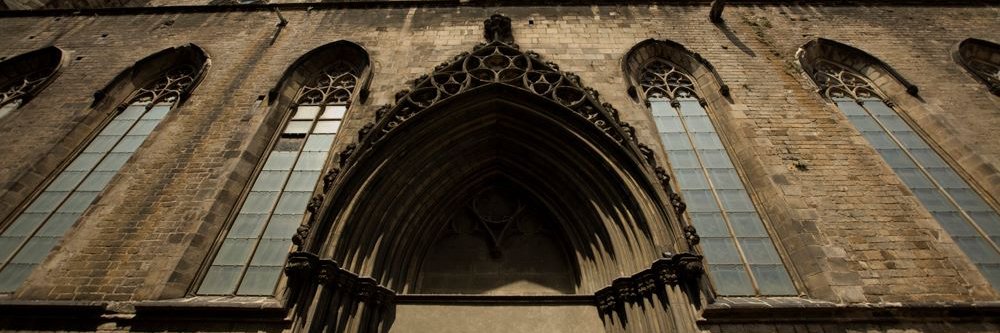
(747, 224)
(129, 144)
(271, 252)
(96, 181)
(896, 158)
(661, 108)
(282, 226)
(773, 280)
(220, 280)
(914, 178)
(8, 245)
(879, 108)
(302, 181)
(101, 144)
(955, 224)
(968, 199)
(725, 179)
(709, 224)
(668, 125)
(720, 250)
(691, 107)
(683, 159)
(66, 181)
(318, 142)
(157, 112)
(992, 273)
(234, 251)
(113, 161)
(978, 250)
(894, 123)
(989, 221)
(691, 179)
(707, 141)
(715, 158)
(247, 226)
(35, 250)
(675, 141)
(851, 108)
(864, 123)
(259, 202)
(78, 202)
(735, 201)
(259, 281)
(117, 127)
(928, 158)
(270, 180)
(731, 280)
(280, 160)
(910, 140)
(311, 161)
(933, 200)
(58, 224)
(25, 224)
(880, 140)
(327, 126)
(46, 202)
(700, 201)
(699, 124)
(759, 250)
(13, 275)
(142, 128)
(293, 203)
(132, 112)
(84, 162)
(947, 178)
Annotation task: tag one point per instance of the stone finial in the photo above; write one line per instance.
(497, 28)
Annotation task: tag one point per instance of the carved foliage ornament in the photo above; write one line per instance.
(168, 88)
(17, 89)
(836, 81)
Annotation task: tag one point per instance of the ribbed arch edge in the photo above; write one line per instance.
(878, 72)
(127, 83)
(973, 49)
(47, 62)
(644, 52)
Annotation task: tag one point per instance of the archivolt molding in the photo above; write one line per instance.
(982, 59)
(820, 59)
(24, 75)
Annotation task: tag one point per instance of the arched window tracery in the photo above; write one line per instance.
(36, 230)
(961, 211)
(982, 59)
(250, 259)
(23, 76)
(742, 259)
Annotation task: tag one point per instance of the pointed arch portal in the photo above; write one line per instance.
(502, 122)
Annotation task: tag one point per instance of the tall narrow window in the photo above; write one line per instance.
(251, 257)
(982, 59)
(44, 221)
(23, 76)
(741, 258)
(961, 211)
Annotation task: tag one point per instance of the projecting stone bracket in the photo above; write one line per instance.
(682, 269)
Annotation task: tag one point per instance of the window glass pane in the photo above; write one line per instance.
(132, 112)
(735, 201)
(683, 159)
(293, 203)
(691, 107)
(691, 179)
(158, 112)
(334, 112)
(896, 158)
(747, 224)
(699, 124)
(700, 201)
(46, 202)
(968, 199)
(773, 280)
(928, 158)
(311, 161)
(113, 161)
(35, 250)
(220, 280)
(879, 108)
(78, 202)
(720, 250)
(66, 181)
(8, 245)
(954, 224)
(933, 200)
(759, 250)
(880, 140)
(725, 179)
(25, 224)
(707, 141)
(989, 221)
(864, 123)
(117, 127)
(101, 144)
(247, 226)
(282, 226)
(851, 108)
(259, 281)
(317, 142)
(84, 162)
(302, 181)
(675, 141)
(280, 160)
(288, 144)
(270, 180)
(143, 127)
(307, 112)
(731, 280)
(668, 125)
(978, 250)
(914, 178)
(947, 178)
(234, 251)
(715, 158)
(910, 140)
(58, 224)
(13, 275)
(259, 202)
(328, 126)
(271, 252)
(709, 224)
(96, 181)
(298, 127)
(991, 272)
(660, 107)
(894, 123)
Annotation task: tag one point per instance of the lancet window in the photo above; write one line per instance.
(253, 252)
(742, 259)
(982, 59)
(972, 223)
(23, 76)
(29, 238)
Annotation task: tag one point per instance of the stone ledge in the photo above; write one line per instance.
(727, 310)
